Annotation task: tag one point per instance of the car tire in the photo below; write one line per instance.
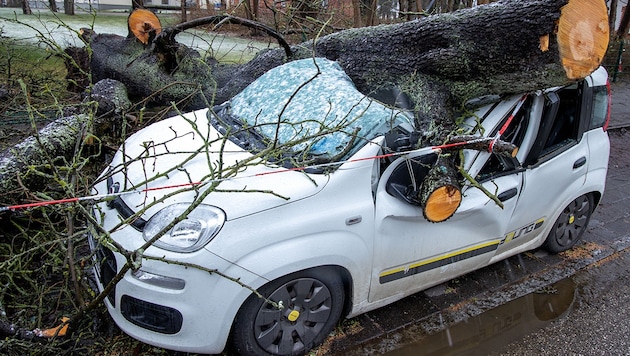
(312, 303)
(570, 225)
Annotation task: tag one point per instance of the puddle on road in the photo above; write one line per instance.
(493, 330)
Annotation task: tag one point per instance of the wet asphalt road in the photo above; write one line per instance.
(599, 322)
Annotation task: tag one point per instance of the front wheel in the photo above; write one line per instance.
(312, 303)
(571, 224)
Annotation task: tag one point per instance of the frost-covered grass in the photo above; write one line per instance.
(25, 65)
(64, 29)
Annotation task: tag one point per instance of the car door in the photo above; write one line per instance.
(556, 168)
(412, 253)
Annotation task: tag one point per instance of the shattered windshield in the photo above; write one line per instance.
(310, 109)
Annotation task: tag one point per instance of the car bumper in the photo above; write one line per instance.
(173, 305)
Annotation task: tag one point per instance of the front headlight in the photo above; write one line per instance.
(190, 234)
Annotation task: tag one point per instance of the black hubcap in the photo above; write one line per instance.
(572, 221)
(306, 308)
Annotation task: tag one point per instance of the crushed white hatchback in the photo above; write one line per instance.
(264, 220)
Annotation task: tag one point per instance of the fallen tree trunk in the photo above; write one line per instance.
(510, 46)
(28, 166)
(24, 165)
(153, 65)
(443, 60)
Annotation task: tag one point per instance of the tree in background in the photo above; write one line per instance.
(411, 9)
(26, 8)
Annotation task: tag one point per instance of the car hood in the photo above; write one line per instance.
(180, 158)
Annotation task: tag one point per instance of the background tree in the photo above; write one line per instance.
(356, 7)
(137, 4)
(411, 9)
(304, 9)
(251, 9)
(68, 7)
(612, 15)
(26, 8)
(622, 32)
(368, 12)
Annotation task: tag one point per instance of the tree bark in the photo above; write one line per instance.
(440, 61)
(68, 7)
(622, 32)
(509, 46)
(25, 168)
(22, 165)
(26, 8)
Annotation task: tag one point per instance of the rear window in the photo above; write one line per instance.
(600, 107)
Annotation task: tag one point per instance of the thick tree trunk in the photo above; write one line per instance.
(25, 168)
(441, 61)
(26, 8)
(21, 165)
(511, 46)
(68, 7)
(505, 47)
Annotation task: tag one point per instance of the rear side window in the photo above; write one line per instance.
(600, 107)
(560, 124)
(565, 125)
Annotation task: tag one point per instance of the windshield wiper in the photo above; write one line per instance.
(230, 126)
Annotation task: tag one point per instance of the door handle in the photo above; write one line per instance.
(508, 194)
(579, 163)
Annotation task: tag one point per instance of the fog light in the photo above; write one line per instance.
(159, 280)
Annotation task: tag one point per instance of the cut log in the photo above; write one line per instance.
(440, 193)
(583, 35)
(143, 25)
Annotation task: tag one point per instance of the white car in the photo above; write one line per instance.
(315, 211)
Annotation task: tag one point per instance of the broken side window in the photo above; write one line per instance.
(498, 165)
